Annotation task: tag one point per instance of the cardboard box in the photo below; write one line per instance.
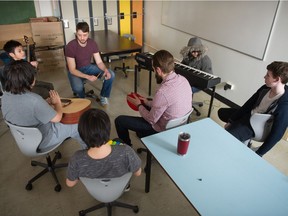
(47, 33)
(44, 19)
(51, 60)
(15, 32)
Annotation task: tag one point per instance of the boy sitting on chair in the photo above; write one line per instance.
(102, 159)
(15, 51)
(271, 98)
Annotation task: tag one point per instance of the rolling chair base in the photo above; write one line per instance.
(109, 207)
(51, 166)
(200, 104)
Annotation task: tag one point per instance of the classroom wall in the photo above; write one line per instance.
(244, 72)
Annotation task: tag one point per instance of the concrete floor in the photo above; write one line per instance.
(164, 197)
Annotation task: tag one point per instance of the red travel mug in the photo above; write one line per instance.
(183, 143)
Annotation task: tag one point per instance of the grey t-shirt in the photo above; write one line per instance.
(120, 161)
(29, 109)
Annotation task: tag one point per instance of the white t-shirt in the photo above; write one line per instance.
(265, 103)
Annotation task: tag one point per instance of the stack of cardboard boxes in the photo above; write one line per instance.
(47, 33)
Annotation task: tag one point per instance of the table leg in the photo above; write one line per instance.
(211, 101)
(135, 78)
(148, 171)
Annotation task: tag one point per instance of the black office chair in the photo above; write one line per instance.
(125, 68)
(194, 104)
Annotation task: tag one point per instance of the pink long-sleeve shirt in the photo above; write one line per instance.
(173, 99)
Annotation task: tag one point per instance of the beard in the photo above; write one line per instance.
(158, 79)
(82, 41)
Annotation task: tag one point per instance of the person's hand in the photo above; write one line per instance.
(91, 78)
(34, 64)
(135, 101)
(107, 74)
(54, 97)
(227, 125)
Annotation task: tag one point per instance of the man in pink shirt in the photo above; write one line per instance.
(172, 99)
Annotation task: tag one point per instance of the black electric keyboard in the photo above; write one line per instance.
(196, 78)
(144, 60)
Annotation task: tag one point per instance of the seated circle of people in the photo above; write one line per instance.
(79, 53)
(173, 99)
(271, 98)
(103, 157)
(14, 52)
(22, 107)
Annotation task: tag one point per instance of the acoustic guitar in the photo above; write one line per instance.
(73, 109)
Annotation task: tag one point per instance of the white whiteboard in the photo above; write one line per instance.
(244, 26)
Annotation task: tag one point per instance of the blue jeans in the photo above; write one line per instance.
(195, 90)
(133, 123)
(77, 83)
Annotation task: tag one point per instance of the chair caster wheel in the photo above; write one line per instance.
(33, 163)
(136, 209)
(59, 155)
(82, 213)
(200, 105)
(139, 150)
(57, 188)
(29, 187)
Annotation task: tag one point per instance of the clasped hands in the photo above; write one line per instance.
(136, 101)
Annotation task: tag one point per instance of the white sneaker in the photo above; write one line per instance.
(104, 101)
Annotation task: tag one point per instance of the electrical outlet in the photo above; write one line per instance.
(109, 20)
(96, 23)
(66, 23)
(228, 86)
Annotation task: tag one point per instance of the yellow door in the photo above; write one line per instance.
(124, 16)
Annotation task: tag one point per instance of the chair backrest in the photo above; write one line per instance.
(178, 121)
(261, 124)
(106, 189)
(27, 139)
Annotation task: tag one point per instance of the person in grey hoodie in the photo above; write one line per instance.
(194, 56)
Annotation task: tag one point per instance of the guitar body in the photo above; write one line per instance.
(73, 111)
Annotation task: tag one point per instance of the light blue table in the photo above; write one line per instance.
(219, 175)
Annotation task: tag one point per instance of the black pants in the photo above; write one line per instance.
(241, 129)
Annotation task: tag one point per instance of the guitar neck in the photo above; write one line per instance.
(26, 39)
(28, 52)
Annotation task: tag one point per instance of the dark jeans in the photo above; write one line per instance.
(137, 124)
(77, 83)
(241, 129)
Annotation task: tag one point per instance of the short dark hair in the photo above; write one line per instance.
(279, 69)
(10, 46)
(164, 60)
(18, 77)
(83, 26)
(94, 127)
